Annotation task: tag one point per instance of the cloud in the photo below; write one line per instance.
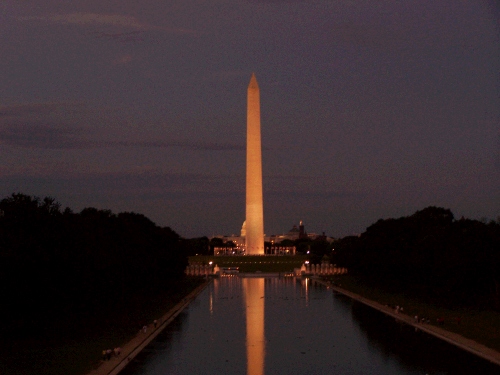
(20, 110)
(125, 59)
(128, 37)
(134, 182)
(188, 145)
(36, 135)
(89, 19)
(275, 1)
(96, 19)
(42, 136)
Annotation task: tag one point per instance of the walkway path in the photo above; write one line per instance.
(453, 338)
(139, 342)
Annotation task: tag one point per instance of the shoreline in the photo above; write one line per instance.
(460, 341)
(133, 347)
(141, 340)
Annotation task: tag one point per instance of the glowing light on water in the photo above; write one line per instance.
(255, 339)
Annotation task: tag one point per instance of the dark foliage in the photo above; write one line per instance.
(197, 246)
(429, 254)
(54, 262)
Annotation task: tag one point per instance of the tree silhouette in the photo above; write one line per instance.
(429, 254)
(52, 261)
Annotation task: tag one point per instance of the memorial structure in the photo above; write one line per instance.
(254, 239)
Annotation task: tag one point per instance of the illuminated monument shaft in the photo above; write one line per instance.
(254, 207)
(254, 289)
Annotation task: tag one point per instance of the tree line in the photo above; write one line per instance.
(430, 255)
(54, 260)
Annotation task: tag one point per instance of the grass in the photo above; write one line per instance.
(482, 326)
(253, 263)
(74, 344)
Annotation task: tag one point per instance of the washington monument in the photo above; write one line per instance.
(254, 239)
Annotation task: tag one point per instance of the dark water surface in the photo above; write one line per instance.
(278, 326)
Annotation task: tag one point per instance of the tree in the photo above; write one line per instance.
(429, 254)
(52, 261)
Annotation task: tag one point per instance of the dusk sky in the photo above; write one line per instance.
(370, 109)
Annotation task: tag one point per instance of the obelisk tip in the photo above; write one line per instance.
(253, 82)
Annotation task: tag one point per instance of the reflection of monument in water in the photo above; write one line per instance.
(254, 224)
(255, 341)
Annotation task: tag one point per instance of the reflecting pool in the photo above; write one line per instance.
(258, 326)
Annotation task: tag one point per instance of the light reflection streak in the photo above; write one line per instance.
(305, 284)
(253, 289)
(213, 294)
(211, 303)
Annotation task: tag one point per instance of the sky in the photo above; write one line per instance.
(369, 109)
